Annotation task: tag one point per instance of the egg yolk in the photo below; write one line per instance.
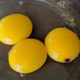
(62, 45)
(14, 28)
(27, 56)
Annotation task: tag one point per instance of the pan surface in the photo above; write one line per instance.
(45, 15)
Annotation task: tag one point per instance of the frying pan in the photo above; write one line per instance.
(45, 15)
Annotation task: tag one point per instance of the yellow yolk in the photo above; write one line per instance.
(27, 56)
(62, 45)
(14, 28)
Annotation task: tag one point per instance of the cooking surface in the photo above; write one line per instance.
(45, 15)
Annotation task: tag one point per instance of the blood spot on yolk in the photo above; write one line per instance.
(67, 60)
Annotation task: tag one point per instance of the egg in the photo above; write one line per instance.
(27, 56)
(62, 45)
(14, 28)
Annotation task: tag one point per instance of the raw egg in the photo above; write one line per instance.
(62, 45)
(14, 28)
(27, 56)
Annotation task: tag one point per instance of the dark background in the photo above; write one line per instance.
(45, 15)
